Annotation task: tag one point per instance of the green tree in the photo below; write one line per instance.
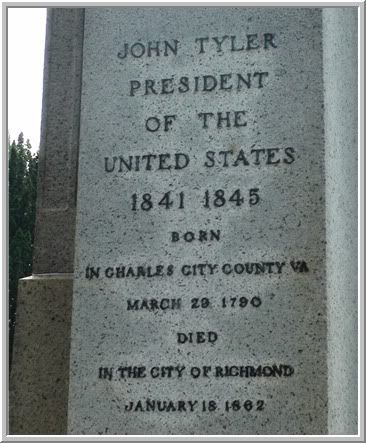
(23, 168)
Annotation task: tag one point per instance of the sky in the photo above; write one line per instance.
(26, 40)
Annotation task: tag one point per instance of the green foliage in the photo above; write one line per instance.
(22, 208)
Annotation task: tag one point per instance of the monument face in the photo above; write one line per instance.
(199, 296)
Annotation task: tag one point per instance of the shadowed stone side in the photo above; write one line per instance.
(39, 377)
(340, 120)
(58, 157)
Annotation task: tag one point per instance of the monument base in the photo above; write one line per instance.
(39, 375)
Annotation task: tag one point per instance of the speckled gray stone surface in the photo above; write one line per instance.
(39, 376)
(38, 386)
(286, 225)
(341, 132)
(58, 154)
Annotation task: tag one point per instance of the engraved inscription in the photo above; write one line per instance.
(202, 256)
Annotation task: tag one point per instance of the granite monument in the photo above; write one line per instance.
(198, 191)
